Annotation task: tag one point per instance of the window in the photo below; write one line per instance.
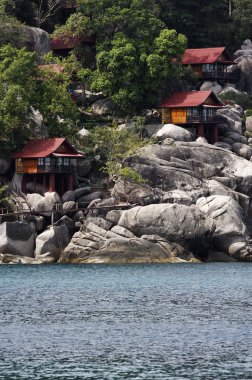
(189, 112)
(47, 163)
(59, 161)
(40, 161)
(66, 161)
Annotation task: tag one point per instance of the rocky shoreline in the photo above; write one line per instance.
(194, 206)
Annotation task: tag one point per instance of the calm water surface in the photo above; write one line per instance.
(189, 321)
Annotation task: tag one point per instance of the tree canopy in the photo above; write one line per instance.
(24, 88)
(135, 51)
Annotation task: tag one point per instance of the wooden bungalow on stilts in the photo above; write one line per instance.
(50, 163)
(210, 63)
(194, 110)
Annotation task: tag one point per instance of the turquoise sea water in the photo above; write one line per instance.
(177, 321)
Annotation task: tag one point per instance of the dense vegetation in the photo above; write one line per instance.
(139, 44)
(23, 89)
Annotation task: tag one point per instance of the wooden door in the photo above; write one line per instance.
(178, 116)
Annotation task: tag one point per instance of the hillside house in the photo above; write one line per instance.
(194, 110)
(210, 63)
(50, 163)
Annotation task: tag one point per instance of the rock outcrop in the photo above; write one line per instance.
(52, 242)
(244, 67)
(17, 239)
(173, 131)
(98, 242)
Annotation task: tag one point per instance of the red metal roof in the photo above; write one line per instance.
(206, 55)
(189, 99)
(45, 147)
(68, 42)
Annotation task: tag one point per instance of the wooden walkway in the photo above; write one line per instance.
(58, 209)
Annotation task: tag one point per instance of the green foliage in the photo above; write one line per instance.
(242, 19)
(114, 146)
(137, 74)
(244, 100)
(130, 174)
(248, 113)
(23, 88)
(3, 194)
(135, 51)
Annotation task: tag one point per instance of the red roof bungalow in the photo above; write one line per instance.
(63, 45)
(48, 162)
(209, 63)
(195, 110)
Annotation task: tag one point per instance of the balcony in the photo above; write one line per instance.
(203, 119)
(196, 120)
(219, 75)
(56, 169)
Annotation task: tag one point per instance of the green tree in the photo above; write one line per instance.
(135, 52)
(205, 23)
(114, 146)
(241, 14)
(22, 88)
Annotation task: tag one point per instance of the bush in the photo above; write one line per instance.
(244, 100)
(130, 174)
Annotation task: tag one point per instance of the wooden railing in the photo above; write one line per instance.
(56, 168)
(219, 75)
(196, 120)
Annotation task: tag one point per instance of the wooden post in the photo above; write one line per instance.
(201, 130)
(163, 116)
(216, 134)
(35, 183)
(70, 182)
(52, 182)
(44, 183)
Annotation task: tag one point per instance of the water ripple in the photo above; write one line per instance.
(126, 322)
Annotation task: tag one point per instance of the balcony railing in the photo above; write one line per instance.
(203, 119)
(218, 75)
(56, 168)
(196, 120)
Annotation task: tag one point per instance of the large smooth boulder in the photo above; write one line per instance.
(231, 119)
(137, 250)
(94, 244)
(83, 134)
(5, 165)
(244, 68)
(185, 225)
(68, 196)
(236, 137)
(84, 167)
(211, 86)
(169, 167)
(52, 197)
(52, 241)
(173, 131)
(242, 150)
(81, 192)
(232, 232)
(104, 107)
(85, 200)
(17, 238)
(40, 204)
(39, 41)
(249, 124)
